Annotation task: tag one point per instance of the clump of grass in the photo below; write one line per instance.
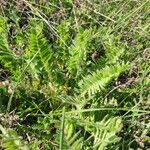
(91, 58)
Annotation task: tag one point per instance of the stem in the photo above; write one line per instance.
(62, 130)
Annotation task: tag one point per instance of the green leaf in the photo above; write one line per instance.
(78, 51)
(97, 81)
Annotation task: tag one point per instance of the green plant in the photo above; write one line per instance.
(91, 58)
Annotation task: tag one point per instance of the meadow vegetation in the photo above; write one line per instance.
(74, 74)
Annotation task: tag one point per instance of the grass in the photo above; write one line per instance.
(74, 74)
